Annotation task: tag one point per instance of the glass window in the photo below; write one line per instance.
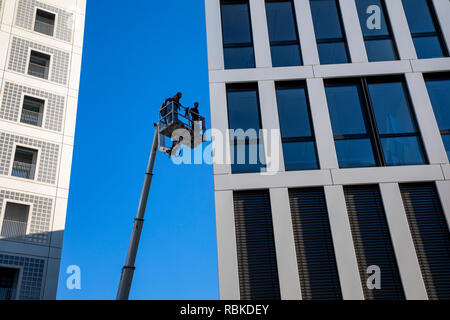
(377, 38)
(39, 64)
(24, 165)
(439, 91)
(424, 29)
(237, 35)
(15, 220)
(244, 117)
(373, 123)
(299, 146)
(32, 111)
(284, 44)
(330, 38)
(396, 123)
(45, 22)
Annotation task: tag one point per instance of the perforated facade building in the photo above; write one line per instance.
(40, 63)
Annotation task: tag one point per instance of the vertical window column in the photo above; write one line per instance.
(257, 261)
(283, 34)
(372, 241)
(244, 118)
(377, 38)
(330, 37)
(425, 30)
(430, 235)
(316, 260)
(299, 147)
(237, 34)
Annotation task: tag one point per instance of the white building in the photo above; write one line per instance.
(360, 90)
(40, 61)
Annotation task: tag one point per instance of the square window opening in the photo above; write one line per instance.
(32, 111)
(39, 65)
(45, 22)
(15, 220)
(24, 165)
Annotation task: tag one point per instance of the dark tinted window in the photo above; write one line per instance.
(237, 35)
(396, 123)
(330, 37)
(244, 116)
(348, 119)
(378, 39)
(284, 44)
(255, 245)
(299, 147)
(319, 277)
(424, 29)
(439, 92)
(431, 237)
(373, 123)
(45, 22)
(372, 241)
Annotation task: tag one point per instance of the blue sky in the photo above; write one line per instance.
(137, 53)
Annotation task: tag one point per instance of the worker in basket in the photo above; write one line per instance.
(193, 114)
(169, 109)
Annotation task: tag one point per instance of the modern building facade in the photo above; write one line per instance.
(40, 62)
(360, 93)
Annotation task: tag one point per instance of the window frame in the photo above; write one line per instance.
(236, 44)
(437, 30)
(19, 277)
(343, 39)
(287, 42)
(389, 36)
(44, 108)
(3, 213)
(36, 165)
(259, 142)
(30, 50)
(370, 122)
(296, 85)
(35, 19)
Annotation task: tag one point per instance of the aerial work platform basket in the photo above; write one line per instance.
(181, 125)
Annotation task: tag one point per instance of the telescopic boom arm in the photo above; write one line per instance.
(128, 270)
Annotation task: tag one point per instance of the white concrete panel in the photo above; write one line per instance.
(431, 65)
(291, 179)
(214, 35)
(75, 71)
(71, 116)
(65, 166)
(343, 244)
(307, 37)
(22, 248)
(270, 121)
(260, 34)
(362, 69)
(8, 12)
(226, 246)
(442, 9)
(79, 31)
(322, 124)
(425, 117)
(387, 174)
(219, 121)
(59, 223)
(443, 188)
(285, 245)
(4, 46)
(27, 186)
(353, 31)
(446, 171)
(261, 74)
(400, 28)
(402, 242)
